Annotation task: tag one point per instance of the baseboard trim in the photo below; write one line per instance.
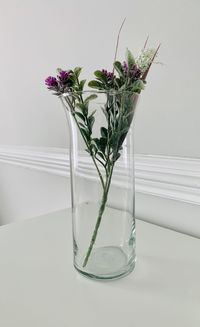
(176, 178)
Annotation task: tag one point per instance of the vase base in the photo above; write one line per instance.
(107, 263)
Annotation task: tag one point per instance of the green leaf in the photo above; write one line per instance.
(116, 156)
(83, 107)
(118, 66)
(114, 140)
(77, 71)
(94, 146)
(95, 85)
(91, 120)
(102, 144)
(130, 59)
(90, 97)
(100, 75)
(100, 154)
(138, 86)
(81, 84)
(80, 115)
(96, 140)
(85, 133)
(72, 79)
(104, 132)
(118, 82)
(82, 125)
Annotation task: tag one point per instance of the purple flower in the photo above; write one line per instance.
(135, 71)
(63, 77)
(125, 67)
(110, 75)
(51, 81)
(107, 74)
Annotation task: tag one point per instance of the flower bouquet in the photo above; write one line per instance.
(101, 159)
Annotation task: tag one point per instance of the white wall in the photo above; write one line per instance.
(38, 36)
(27, 193)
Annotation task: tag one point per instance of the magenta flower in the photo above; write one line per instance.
(109, 75)
(135, 72)
(125, 67)
(51, 81)
(63, 77)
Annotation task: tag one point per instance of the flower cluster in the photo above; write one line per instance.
(134, 72)
(61, 83)
(145, 58)
(108, 78)
(129, 75)
(51, 82)
(63, 77)
(108, 75)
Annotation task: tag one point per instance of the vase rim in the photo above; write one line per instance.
(110, 92)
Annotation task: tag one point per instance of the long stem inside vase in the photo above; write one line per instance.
(107, 148)
(100, 215)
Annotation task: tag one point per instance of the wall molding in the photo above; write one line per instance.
(176, 178)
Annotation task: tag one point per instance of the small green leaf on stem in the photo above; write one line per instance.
(91, 120)
(118, 66)
(100, 75)
(104, 132)
(130, 59)
(100, 154)
(80, 115)
(77, 71)
(85, 133)
(81, 84)
(95, 85)
(102, 144)
(90, 97)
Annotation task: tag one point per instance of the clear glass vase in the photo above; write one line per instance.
(102, 181)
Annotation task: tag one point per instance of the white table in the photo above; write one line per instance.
(40, 288)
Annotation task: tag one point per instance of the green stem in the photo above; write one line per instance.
(105, 185)
(98, 222)
(100, 175)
